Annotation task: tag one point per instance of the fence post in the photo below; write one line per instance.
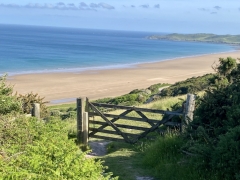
(85, 128)
(36, 110)
(189, 108)
(80, 111)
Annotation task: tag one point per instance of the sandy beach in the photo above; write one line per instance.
(66, 87)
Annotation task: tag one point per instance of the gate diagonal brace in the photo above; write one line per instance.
(145, 117)
(110, 123)
(113, 120)
(153, 128)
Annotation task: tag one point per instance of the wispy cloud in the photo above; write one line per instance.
(157, 5)
(217, 7)
(62, 6)
(213, 13)
(144, 6)
(106, 6)
(133, 6)
(10, 5)
(102, 5)
(93, 5)
(203, 9)
(83, 4)
(239, 9)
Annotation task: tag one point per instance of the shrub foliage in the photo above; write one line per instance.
(35, 149)
(8, 101)
(29, 99)
(214, 132)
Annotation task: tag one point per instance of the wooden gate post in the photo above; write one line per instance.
(85, 128)
(80, 112)
(36, 110)
(189, 108)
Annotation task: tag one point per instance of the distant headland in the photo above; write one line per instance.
(201, 37)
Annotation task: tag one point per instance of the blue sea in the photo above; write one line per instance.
(32, 49)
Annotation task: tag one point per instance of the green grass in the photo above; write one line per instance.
(159, 159)
(125, 161)
(153, 156)
(167, 162)
(62, 106)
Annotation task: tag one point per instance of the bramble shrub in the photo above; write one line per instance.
(9, 104)
(155, 87)
(191, 85)
(28, 100)
(226, 156)
(5, 90)
(214, 133)
(16, 133)
(8, 101)
(32, 149)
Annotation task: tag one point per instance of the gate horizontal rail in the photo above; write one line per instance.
(90, 110)
(138, 109)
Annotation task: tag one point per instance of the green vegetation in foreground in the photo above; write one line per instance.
(212, 38)
(36, 149)
(158, 158)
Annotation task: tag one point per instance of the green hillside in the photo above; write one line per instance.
(201, 37)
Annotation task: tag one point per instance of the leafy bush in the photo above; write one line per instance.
(135, 97)
(155, 87)
(29, 99)
(191, 85)
(9, 104)
(219, 110)
(226, 157)
(214, 133)
(5, 90)
(8, 101)
(35, 150)
(126, 99)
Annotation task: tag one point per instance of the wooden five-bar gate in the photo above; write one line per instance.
(106, 126)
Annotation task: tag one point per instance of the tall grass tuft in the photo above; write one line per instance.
(167, 162)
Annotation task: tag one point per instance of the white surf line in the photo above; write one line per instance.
(165, 78)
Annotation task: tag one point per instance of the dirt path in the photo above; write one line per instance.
(144, 178)
(99, 149)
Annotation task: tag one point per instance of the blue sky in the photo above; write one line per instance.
(180, 16)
